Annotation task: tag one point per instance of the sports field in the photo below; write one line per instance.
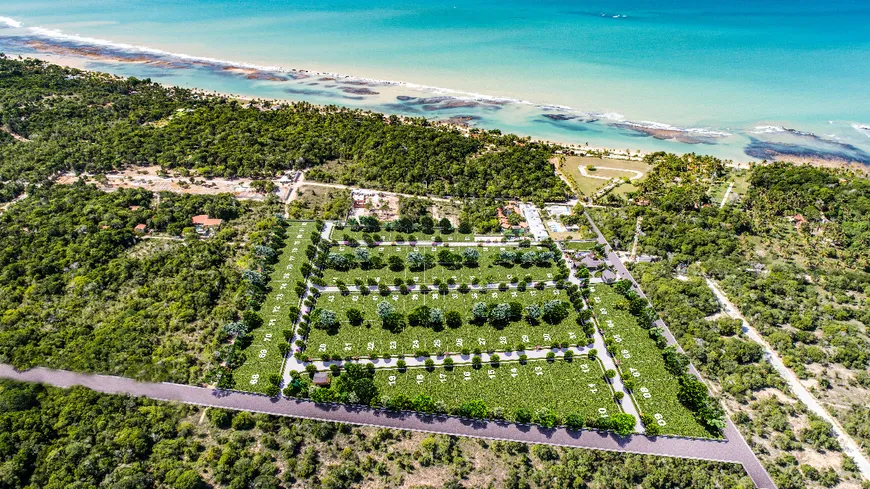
(576, 387)
(372, 338)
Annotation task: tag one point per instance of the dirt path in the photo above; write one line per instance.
(847, 442)
(727, 192)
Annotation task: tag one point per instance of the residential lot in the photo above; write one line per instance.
(640, 359)
(262, 356)
(371, 337)
(576, 387)
(486, 271)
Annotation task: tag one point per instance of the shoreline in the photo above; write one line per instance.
(79, 58)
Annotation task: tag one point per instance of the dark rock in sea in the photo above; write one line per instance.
(666, 134)
(405, 98)
(462, 120)
(358, 91)
(559, 117)
(840, 152)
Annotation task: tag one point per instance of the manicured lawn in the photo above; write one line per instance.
(486, 271)
(262, 355)
(576, 387)
(371, 337)
(640, 359)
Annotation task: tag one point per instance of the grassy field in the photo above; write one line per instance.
(576, 387)
(262, 355)
(579, 245)
(371, 338)
(640, 359)
(590, 185)
(486, 272)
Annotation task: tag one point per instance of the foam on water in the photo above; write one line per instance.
(9, 22)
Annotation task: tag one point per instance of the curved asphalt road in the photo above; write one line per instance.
(732, 449)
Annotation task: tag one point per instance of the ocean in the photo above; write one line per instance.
(742, 80)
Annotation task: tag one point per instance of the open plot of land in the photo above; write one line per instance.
(640, 359)
(262, 356)
(371, 338)
(487, 270)
(576, 387)
(589, 185)
(388, 236)
(579, 245)
(315, 202)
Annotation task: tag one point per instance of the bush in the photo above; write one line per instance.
(523, 415)
(475, 361)
(448, 363)
(569, 356)
(430, 364)
(401, 364)
(244, 421)
(551, 356)
(574, 421)
(494, 359)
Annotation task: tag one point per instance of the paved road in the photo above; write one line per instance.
(730, 450)
(730, 430)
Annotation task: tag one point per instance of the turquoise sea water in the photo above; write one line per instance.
(740, 79)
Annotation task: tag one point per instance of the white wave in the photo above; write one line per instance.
(698, 131)
(768, 129)
(9, 22)
(862, 128)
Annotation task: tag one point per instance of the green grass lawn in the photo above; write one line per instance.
(487, 271)
(576, 387)
(262, 355)
(579, 245)
(640, 359)
(371, 338)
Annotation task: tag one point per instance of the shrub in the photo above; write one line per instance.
(523, 415)
(569, 356)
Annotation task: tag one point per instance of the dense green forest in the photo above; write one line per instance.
(52, 438)
(793, 253)
(87, 122)
(79, 289)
